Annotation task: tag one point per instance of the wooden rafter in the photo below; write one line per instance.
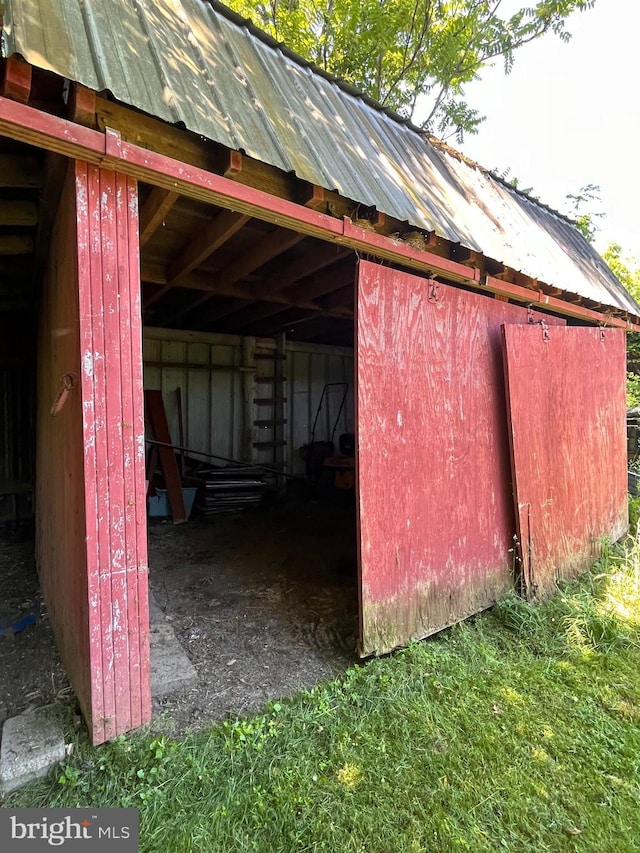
(22, 213)
(254, 312)
(324, 282)
(282, 322)
(16, 244)
(318, 258)
(20, 172)
(16, 83)
(109, 150)
(216, 234)
(154, 211)
(339, 299)
(270, 246)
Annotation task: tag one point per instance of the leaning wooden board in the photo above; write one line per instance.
(158, 421)
(567, 422)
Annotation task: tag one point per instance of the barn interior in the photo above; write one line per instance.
(249, 340)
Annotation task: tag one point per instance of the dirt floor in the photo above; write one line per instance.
(263, 602)
(30, 671)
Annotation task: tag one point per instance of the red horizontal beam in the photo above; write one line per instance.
(568, 309)
(108, 149)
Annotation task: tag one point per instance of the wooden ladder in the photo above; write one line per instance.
(268, 433)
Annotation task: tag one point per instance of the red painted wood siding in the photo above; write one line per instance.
(97, 590)
(568, 435)
(435, 511)
(59, 494)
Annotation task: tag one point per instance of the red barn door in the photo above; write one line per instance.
(566, 398)
(434, 500)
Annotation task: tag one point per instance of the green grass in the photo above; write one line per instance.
(518, 730)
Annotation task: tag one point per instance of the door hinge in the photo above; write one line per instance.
(531, 318)
(433, 293)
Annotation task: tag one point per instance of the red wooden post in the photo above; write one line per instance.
(113, 430)
(101, 533)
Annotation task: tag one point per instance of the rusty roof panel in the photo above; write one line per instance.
(194, 62)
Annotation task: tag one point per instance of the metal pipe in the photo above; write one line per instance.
(225, 459)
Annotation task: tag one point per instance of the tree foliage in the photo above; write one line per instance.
(414, 56)
(627, 270)
(584, 220)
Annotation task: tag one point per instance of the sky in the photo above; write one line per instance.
(568, 115)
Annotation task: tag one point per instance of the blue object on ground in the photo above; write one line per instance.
(7, 627)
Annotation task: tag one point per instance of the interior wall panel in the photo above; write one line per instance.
(211, 380)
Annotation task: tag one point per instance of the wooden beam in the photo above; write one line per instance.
(163, 138)
(217, 232)
(14, 267)
(155, 135)
(20, 172)
(339, 299)
(324, 282)
(303, 324)
(16, 83)
(23, 213)
(234, 166)
(57, 168)
(222, 309)
(270, 246)
(243, 298)
(314, 197)
(82, 105)
(250, 172)
(318, 258)
(253, 313)
(27, 124)
(560, 306)
(153, 212)
(16, 244)
(280, 323)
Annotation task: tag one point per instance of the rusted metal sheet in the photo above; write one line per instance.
(196, 63)
(567, 414)
(91, 513)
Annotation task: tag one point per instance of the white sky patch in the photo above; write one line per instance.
(567, 116)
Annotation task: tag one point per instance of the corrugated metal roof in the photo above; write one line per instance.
(194, 62)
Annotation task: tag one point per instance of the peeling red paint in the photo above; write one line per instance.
(104, 638)
(567, 408)
(435, 514)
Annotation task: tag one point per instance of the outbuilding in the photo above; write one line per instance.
(168, 170)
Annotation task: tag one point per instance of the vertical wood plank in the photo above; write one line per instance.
(91, 376)
(138, 570)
